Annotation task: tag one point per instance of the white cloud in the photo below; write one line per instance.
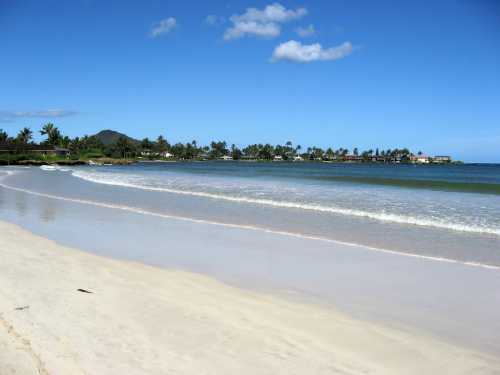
(268, 30)
(163, 27)
(9, 116)
(304, 53)
(262, 22)
(306, 31)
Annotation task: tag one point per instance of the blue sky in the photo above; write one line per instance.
(420, 74)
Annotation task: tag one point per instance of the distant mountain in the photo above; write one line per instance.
(108, 137)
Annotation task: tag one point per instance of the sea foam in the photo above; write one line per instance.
(141, 211)
(136, 182)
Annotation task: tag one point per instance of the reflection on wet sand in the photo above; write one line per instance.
(48, 210)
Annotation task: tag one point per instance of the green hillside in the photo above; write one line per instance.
(108, 137)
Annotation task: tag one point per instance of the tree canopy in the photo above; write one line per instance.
(119, 145)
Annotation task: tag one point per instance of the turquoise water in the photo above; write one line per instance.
(443, 211)
(440, 175)
(416, 195)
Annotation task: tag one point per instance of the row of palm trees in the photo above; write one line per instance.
(216, 149)
(25, 135)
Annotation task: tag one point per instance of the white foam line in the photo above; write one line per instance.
(242, 226)
(385, 217)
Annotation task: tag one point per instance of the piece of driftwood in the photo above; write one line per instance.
(84, 291)
(22, 308)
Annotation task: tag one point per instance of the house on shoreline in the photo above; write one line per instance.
(441, 159)
(438, 159)
(166, 155)
(419, 159)
(149, 154)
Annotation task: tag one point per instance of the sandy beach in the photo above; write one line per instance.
(145, 320)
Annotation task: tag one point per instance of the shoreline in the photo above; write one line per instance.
(128, 161)
(66, 162)
(141, 319)
(252, 228)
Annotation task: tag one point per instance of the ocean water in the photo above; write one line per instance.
(442, 211)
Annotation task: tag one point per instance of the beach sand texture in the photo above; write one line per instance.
(145, 320)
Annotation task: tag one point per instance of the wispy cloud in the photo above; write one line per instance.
(304, 32)
(9, 116)
(305, 53)
(262, 22)
(163, 27)
(214, 20)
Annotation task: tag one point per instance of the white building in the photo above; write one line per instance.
(441, 159)
(226, 157)
(278, 158)
(420, 159)
(166, 154)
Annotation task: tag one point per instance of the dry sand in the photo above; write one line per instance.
(146, 320)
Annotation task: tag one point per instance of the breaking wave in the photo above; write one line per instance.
(136, 182)
(141, 211)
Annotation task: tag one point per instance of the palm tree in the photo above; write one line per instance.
(52, 133)
(235, 152)
(123, 146)
(24, 136)
(218, 149)
(297, 149)
(65, 142)
(47, 129)
(3, 136)
(146, 144)
(162, 144)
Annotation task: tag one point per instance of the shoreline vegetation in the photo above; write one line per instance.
(111, 147)
(54, 321)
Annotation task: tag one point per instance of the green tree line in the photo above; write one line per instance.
(92, 147)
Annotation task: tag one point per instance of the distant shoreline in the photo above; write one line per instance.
(112, 144)
(118, 161)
